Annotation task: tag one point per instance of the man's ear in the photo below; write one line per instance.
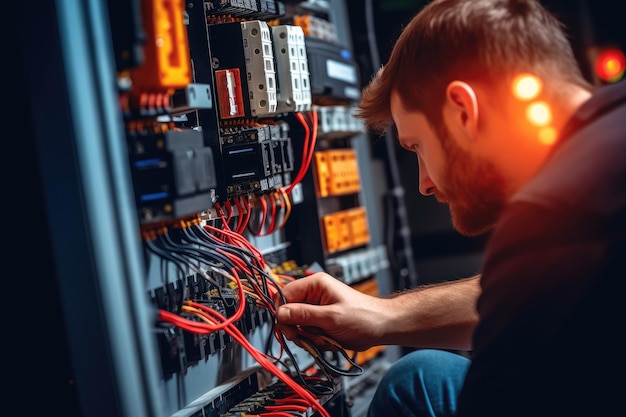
(464, 105)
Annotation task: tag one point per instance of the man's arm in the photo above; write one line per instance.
(439, 316)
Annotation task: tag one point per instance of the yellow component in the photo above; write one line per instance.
(346, 229)
(167, 61)
(337, 172)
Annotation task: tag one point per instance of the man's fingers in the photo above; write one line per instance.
(306, 290)
(302, 314)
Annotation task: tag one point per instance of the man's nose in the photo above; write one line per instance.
(426, 185)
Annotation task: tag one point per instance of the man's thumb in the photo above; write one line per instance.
(284, 315)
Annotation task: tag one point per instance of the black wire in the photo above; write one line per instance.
(151, 244)
(194, 253)
(212, 243)
(244, 253)
(246, 257)
(332, 369)
(298, 373)
(175, 259)
(185, 235)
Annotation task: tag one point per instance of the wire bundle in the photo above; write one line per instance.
(272, 210)
(225, 259)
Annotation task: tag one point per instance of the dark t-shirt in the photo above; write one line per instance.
(553, 306)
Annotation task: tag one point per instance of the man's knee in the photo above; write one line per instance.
(423, 383)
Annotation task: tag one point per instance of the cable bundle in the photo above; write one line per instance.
(227, 261)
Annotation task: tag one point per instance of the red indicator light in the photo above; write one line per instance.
(610, 65)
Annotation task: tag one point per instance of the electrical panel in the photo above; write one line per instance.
(238, 138)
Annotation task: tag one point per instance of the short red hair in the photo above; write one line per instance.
(486, 41)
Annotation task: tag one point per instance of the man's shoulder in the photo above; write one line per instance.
(587, 170)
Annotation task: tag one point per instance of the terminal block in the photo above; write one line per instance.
(337, 172)
(346, 229)
(358, 264)
(292, 69)
(246, 71)
(338, 122)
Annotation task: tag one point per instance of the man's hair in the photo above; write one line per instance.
(477, 41)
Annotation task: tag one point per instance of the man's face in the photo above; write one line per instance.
(471, 186)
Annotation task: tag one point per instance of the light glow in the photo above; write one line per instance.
(547, 135)
(539, 114)
(610, 65)
(526, 87)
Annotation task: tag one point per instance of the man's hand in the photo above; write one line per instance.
(319, 306)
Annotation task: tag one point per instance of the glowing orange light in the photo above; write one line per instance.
(547, 135)
(610, 64)
(539, 113)
(526, 86)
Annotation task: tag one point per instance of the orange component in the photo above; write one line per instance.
(359, 229)
(336, 231)
(167, 62)
(304, 22)
(346, 229)
(337, 172)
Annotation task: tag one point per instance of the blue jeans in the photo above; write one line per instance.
(425, 382)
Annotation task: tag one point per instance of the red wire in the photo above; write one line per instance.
(306, 149)
(312, 143)
(240, 219)
(293, 399)
(239, 240)
(270, 366)
(229, 207)
(236, 334)
(246, 204)
(271, 226)
(220, 211)
(191, 324)
(261, 199)
(286, 407)
(310, 139)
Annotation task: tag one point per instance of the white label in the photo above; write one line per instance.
(341, 71)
